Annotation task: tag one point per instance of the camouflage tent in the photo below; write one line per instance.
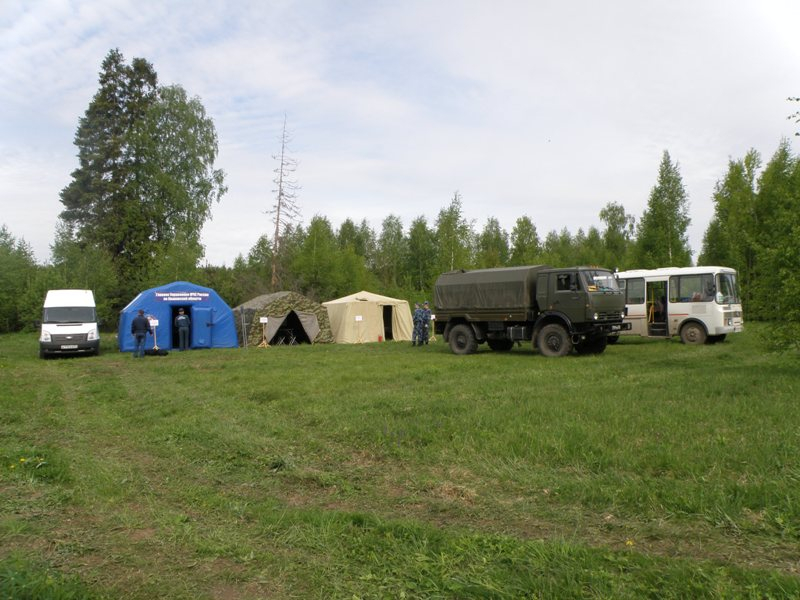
(291, 319)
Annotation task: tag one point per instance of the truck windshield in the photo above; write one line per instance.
(600, 280)
(69, 314)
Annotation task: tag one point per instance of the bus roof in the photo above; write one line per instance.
(670, 271)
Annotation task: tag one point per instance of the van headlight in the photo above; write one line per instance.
(45, 337)
(92, 335)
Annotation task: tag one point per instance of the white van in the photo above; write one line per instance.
(69, 323)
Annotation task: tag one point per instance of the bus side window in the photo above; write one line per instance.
(634, 291)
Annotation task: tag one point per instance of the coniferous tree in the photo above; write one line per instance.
(145, 177)
(661, 239)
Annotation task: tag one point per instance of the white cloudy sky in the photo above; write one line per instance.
(545, 108)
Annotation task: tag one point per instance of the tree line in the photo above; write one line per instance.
(146, 182)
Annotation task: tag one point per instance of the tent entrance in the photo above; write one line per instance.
(291, 332)
(387, 322)
(187, 310)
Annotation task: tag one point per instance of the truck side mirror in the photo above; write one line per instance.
(37, 323)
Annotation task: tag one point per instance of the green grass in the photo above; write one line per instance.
(386, 471)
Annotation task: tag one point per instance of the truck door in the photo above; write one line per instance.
(567, 295)
(202, 325)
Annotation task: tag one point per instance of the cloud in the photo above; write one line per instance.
(549, 109)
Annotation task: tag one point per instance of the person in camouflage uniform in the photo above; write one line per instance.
(417, 317)
(426, 322)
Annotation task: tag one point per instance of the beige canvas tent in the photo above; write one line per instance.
(367, 317)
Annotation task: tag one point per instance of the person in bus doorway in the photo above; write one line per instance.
(182, 323)
(140, 327)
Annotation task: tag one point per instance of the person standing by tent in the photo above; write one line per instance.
(426, 321)
(182, 323)
(140, 327)
(416, 318)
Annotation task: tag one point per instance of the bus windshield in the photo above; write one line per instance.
(600, 280)
(727, 290)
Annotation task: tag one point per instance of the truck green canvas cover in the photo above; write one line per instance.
(509, 288)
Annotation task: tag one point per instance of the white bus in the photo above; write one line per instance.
(700, 304)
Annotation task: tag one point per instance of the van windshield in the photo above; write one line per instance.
(69, 314)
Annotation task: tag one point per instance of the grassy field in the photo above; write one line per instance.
(386, 471)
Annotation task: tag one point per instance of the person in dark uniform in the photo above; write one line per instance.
(140, 327)
(182, 323)
(416, 334)
(426, 321)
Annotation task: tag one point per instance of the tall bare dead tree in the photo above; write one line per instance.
(285, 210)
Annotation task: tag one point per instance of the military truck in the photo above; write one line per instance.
(558, 310)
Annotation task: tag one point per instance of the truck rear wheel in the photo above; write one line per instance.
(553, 340)
(503, 345)
(462, 340)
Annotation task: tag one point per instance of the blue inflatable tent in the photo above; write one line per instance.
(212, 324)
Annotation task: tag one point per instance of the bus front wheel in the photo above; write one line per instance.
(693, 334)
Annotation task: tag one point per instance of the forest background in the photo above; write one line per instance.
(146, 183)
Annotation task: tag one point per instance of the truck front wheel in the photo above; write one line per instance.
(462, 340)
(553, 340)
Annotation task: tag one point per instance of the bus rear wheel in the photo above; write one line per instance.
(693, 334)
